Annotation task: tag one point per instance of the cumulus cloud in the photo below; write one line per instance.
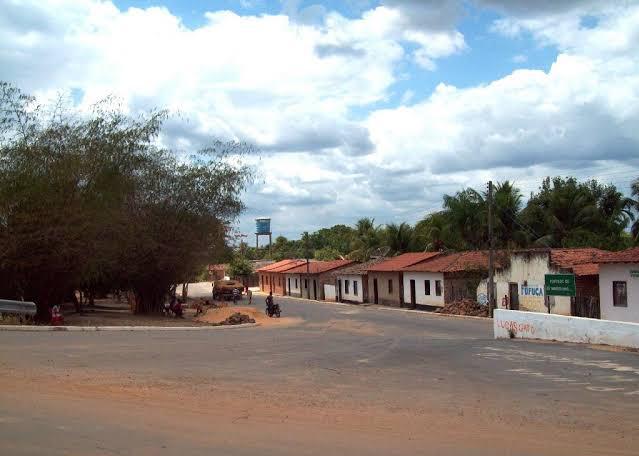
(301, 86)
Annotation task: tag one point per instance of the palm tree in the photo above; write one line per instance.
(635, 194)
(509, 231)
(400, 238)
(367, 237)
(434, 233)
(466, 213)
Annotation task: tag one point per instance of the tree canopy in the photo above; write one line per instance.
(93, 201)
(562, 213)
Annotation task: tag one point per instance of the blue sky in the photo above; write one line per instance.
(358, 107)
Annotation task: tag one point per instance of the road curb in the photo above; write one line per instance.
(28, 328)
(385, 308)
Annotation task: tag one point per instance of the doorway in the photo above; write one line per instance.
(314, 290)
(413, 301)
(339, 290)
(375, 293)
(513, 294)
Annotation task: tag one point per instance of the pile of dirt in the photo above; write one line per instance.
(218, 315)
(464, 307)
(236, 319)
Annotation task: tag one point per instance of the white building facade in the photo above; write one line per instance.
(619, 291)
(351, 287)
(424, 288)
(293, 285)
(520, 285)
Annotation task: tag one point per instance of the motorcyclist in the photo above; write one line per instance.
(269, 302)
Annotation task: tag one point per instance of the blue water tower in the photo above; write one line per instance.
(263, 228)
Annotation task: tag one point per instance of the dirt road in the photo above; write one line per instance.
(347, 380)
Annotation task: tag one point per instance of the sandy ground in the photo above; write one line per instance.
(218, 315)
(303, 421)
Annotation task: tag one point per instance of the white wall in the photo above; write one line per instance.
(420, 295)
(329, 292)
(533, 325)
(530, 268)
(619, 272)
(293, 289)
(351, 296)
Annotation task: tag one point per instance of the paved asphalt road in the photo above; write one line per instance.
(363, 380)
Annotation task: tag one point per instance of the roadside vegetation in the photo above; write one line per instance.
(92, 201)
(562, 213)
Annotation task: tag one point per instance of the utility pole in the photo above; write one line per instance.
(308, 288)
(491, 264)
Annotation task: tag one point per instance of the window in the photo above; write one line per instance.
(619, 294)
(296, 284)
(427, 287)
(390, 285)
(355, 287)
(438, 287)
(347, 287)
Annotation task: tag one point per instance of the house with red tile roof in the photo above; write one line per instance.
(385, 279)
(519, 284)
(271, 277)
(619, 285)
(351, 282)
(445, 278)
(307, 280)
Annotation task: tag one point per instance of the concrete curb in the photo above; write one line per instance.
(428, 313)
(378, 307)
(28, 328)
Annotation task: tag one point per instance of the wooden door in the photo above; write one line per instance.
(513, 295)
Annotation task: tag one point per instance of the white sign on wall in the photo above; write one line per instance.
(531, 297)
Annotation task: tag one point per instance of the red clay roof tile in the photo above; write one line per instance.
(402, 261)
(454, 262)
(567, 258)
(318, 267)
(624, 256)
(281, 266)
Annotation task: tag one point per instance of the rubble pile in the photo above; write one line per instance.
(237, 319)
(464, 307)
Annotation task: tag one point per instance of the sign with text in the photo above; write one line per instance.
(560, 285)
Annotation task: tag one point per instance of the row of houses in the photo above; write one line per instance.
(607, 283)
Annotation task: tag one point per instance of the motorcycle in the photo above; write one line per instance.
(273, 309)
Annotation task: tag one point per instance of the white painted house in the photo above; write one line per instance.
(519, 285)
(293, 285)
(444, 278)
(619, 286)
(351, 283)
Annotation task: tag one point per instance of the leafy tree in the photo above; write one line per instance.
(635, 194)
(240, 267)
(93, 203)
(566, 213)
(400, 238)
(466, 212)
(507, 206)
(327, 254)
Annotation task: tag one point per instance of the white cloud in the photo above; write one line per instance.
(520, 58)
(291, 84)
